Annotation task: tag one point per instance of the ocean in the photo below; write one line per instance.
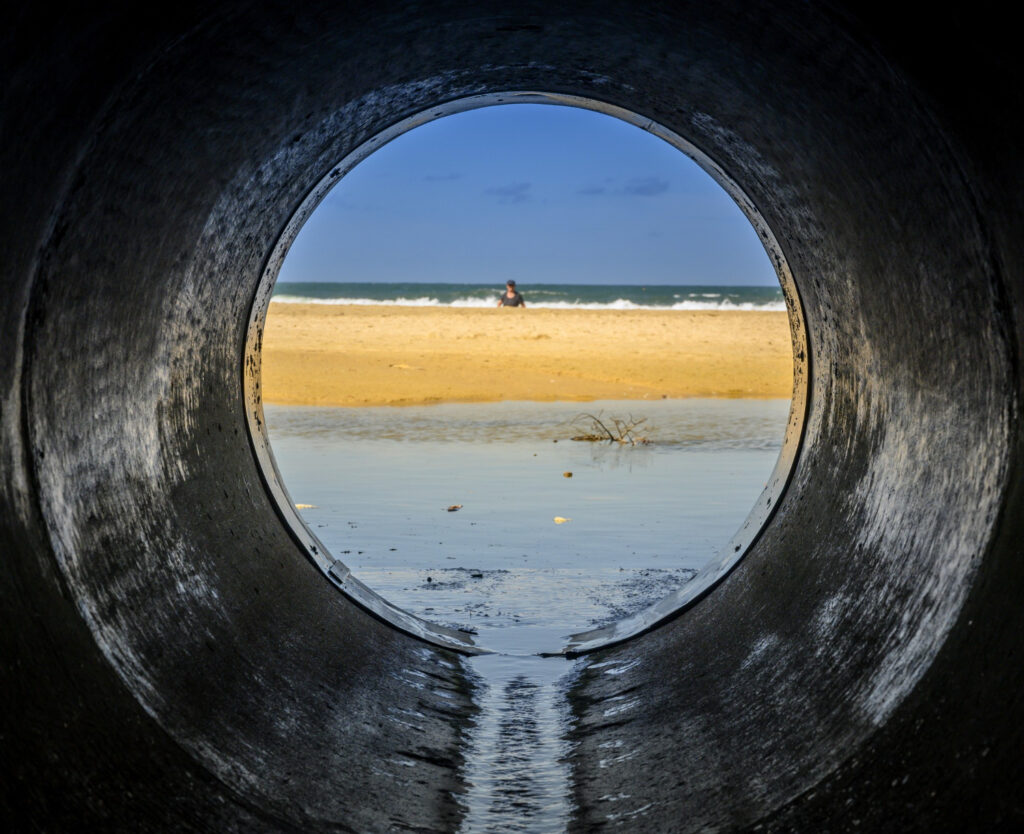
(554, 296)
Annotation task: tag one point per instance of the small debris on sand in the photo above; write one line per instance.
(454, 507)
(305, 506)
(560, 520)
(567, 474)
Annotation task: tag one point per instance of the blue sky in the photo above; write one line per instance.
(539, 193)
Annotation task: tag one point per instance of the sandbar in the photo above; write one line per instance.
(348, 355)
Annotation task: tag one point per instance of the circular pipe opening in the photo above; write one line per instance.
(340, 575)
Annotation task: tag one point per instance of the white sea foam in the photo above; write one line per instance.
(423, 301)
(617, 304)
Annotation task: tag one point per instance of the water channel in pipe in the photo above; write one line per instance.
(427, 439)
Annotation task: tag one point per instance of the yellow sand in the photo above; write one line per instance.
(316, 354)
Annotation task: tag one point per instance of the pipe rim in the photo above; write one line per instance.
(709, 577)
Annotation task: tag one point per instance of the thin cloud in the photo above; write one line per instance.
(636, 187)
(645, 187)
(515, 192)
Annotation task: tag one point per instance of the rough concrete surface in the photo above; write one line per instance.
(172, 661)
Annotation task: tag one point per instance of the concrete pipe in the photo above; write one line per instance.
(170, 657)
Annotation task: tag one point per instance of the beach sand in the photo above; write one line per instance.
(320, 354)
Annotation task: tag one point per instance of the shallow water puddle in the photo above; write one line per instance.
(527, 545)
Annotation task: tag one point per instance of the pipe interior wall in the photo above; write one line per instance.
(171, 659)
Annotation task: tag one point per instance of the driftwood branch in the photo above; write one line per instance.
(625, 430)
(597, 422)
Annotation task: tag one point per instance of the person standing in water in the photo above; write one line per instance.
(511, 297)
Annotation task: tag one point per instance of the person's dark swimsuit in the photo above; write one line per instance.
(515, 301)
